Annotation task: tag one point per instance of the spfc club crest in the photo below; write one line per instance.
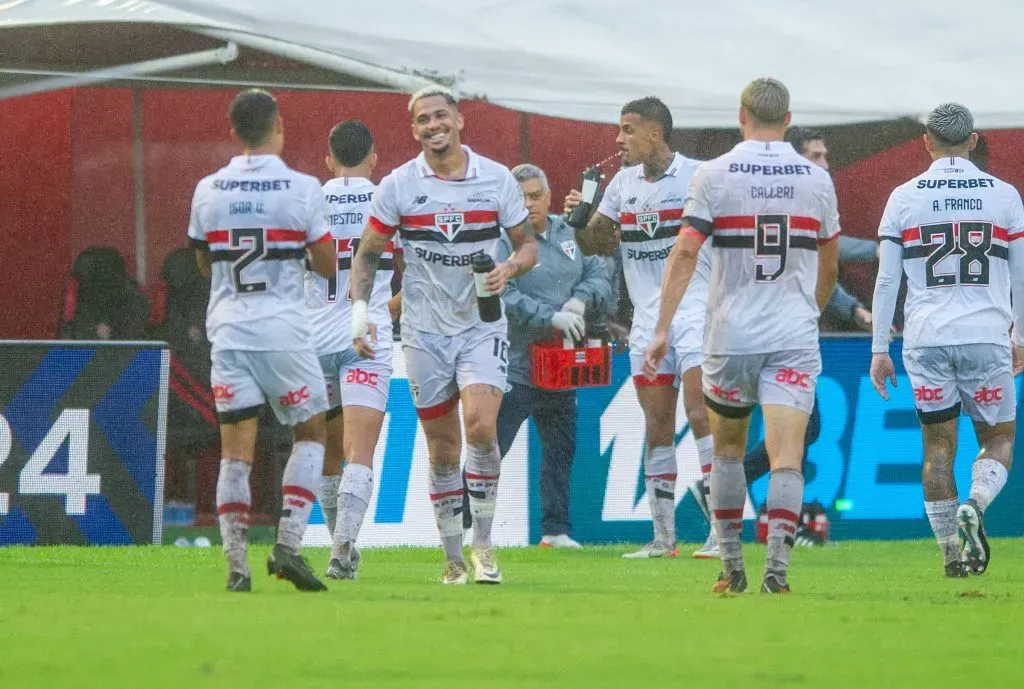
(648, 222)
(569, 247)
(448, 223)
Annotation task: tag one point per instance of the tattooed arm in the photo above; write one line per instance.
(600, 236)
(364, 271)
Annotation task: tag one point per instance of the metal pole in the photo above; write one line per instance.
(222, 55)
(408, 83)
(141, 257)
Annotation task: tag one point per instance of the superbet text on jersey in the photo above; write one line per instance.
(767, 208)
(649, 215)
(256, 216)
(442, 224)
(329, 301)
(956, 225)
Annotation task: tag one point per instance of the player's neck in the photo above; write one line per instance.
(764, 134)
(451, 164)
(264, 150)
(658, 163)
(950, 153)
(359, 171)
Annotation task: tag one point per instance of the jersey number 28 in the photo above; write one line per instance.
(971, 240)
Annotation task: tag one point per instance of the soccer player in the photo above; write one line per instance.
(357, 387)
(252, 223)
(774, 222)
(956, 232)
(447, 205)
(643, 206)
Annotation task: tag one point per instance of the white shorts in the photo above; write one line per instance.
(734, 383)
(684, 353)
(440, 366)
(976, 377)
(290, 381)
(356, 382)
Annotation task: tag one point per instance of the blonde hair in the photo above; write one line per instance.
(433, 90)
(766, 99)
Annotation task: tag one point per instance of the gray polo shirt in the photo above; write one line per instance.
(561, 273)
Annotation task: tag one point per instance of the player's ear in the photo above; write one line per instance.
(972, 141)
(329, 162)
(373, 159)
(459, 122)
(787, 119)
(234, 135)
(928, 143)
(743, 116)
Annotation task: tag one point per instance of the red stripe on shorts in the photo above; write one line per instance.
(438, 410)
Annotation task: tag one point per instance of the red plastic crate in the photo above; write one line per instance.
(552, 367)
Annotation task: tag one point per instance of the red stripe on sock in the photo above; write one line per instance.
(729, 514)
(439, 496)
(481, 477)
(784, 515)
(298, 491)
(788, 528)
(664, 477)
(229, 507)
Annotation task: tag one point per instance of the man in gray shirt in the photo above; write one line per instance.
(564, 291)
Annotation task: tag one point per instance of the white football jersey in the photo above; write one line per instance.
(767, 208)
(442, 224)
(256, 216)
(649, 215)
(329, 302)
(955, 224)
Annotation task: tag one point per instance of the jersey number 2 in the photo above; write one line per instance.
(971, 240)
(254, 240)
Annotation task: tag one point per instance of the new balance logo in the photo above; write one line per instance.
(790, 376)
(294, 397)
(727, 395)
(927, 394)
(986, 396)
(420, 200)
(630, 201)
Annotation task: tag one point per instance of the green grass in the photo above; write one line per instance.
(865, 615)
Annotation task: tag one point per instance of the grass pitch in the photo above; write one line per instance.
(871, 615)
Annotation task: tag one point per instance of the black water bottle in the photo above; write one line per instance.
(488, 304)
(588, 190)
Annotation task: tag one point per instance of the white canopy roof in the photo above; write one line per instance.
(581, 59)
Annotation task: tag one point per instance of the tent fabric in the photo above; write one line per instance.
(582, 59)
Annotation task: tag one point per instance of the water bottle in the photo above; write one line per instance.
(489, 305)
(588, 190)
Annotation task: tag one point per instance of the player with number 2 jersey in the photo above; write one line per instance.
(252, 224)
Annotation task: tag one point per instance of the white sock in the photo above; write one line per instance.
(942, 517)
(328, 497)
(301, 476)
(446, 497)
(660, 482)
(988, 476)
(234, 499)
(483, 467)
(356, 489)
(705, 455)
